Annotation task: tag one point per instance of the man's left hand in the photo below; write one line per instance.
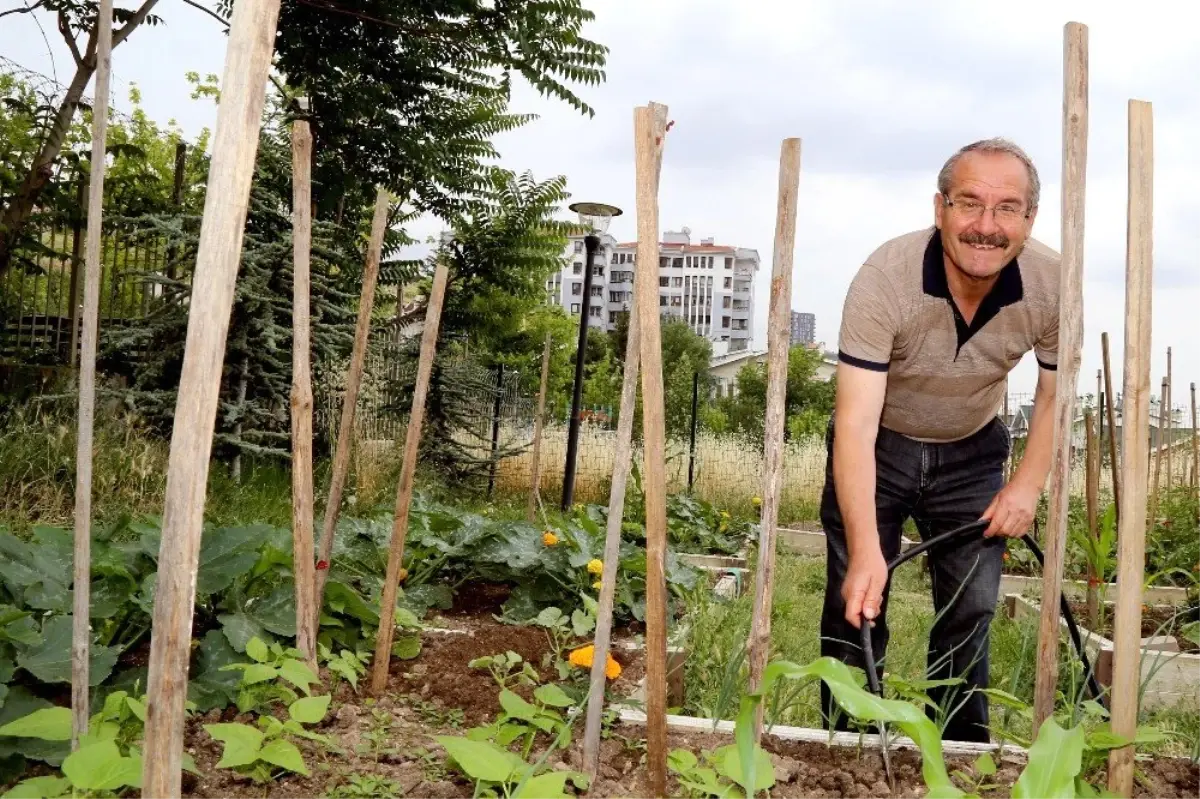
(1011, 511)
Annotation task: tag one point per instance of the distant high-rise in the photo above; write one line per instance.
(708, 285)
(804, 328)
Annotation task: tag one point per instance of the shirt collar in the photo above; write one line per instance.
(1007, 290)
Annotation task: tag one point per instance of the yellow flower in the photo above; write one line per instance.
(596, 585)
(549, 538)
(724, 514)
(582, 658)
(757, 501)
(595, 566)
(403, 574)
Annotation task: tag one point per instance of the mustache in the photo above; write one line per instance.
(993, 240)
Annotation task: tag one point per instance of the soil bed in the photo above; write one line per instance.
(1162, 620)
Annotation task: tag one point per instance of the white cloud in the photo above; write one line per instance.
(881, 92)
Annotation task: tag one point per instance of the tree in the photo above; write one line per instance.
(76, 20)
(808, 400)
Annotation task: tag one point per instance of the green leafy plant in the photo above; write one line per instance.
(522, 719)
(507, 669)
(264, 681)
(258, 751)
(345, 664)
(722, 773)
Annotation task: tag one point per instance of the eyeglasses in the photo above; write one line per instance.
(973, 209)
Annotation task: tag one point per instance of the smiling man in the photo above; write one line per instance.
(933, 323)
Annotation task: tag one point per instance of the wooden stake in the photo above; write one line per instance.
(1158, 454)
(778, 341)
(1165, 434)
(404, 490)
(1195, 450)
(358, 357)
(1112, 432)
(235, 144)
(616, 498)
(1070, 326)
(646, 142)
(1135, 429)
(81, 631)
(1092, 492)
(301, 399)
(535, 479)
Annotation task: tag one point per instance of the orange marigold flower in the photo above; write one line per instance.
(582, 657)
(549, 538)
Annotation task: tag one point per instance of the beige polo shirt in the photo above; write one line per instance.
(946, 379)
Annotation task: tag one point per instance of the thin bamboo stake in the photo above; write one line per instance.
(404, 489)
(1070, 326)
(81, 633)
(302, 399)
(1092, 492)
(1158, 454)
(1115, 467)
(1007, 423)
(535, 481)
(778, 342)
(646, 142)
(358, 357)
(235, 144)
(1168, 438)
(1195, 450)
(616, 499)
(1139, 265)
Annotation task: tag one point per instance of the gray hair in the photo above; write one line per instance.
(994, 145)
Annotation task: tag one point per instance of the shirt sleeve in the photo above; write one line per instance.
(1046, 348)
(870, 321)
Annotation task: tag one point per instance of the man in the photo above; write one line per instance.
(933, 322)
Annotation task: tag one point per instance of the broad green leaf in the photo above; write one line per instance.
(18, 704)
(277, 611)
(242, 743)
(681, 760)
(550, 694)
(985, 765)
(99, 766)
(550, 785)
(48, 787)
(258, 672)
(17, 626)
(729, 765)
(227, 553)
(310, 709)
(239, 629)
(407, 646)
(481, 760)
(257, 650)
(48, 724)
(50, 661)
(516, 707)
(137, 707)
(582, 623)
(298, 674)
(210, 687)
(284, 754)
(1054, 761)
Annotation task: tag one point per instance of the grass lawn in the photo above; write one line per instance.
(718, 629)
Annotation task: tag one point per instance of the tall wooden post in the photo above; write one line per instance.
(778, 342)
(358, 356)
(81, 634)
(1092, 493)
(1168, 437)
(404, 489)
(301, 399)
(1112, 432)
(535, 477)
(616, 497)
(235, 144)
(1158, 453)
(647, 138)
(1070, 326)
(1139, 265)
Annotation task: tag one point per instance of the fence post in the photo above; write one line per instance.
(176, 201)
(495, 427)
(692, 443)
(81, 192)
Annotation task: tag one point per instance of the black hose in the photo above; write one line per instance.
(978, 525)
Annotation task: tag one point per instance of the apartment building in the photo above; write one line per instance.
(708, 285)
(804, 328)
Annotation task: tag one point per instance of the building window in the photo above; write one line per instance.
(594, 311)
(663, 262)
(662, 300)
(665, 281)
(578, 268)
(676, 282)
(597, 291)
(576, 288)
(677, 263)
(725, 321)
(726, 302)
(598, 270)
(579, 246)
(729, 263)
(728, 282)
(574, 307)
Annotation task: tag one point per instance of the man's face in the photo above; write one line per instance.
(984, 225)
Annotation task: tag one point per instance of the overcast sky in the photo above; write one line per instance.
(881, 93)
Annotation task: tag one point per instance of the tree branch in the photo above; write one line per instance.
(25, 10)
(137, 19)
(69, 38)
(208, 11)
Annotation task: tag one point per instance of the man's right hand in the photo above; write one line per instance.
(862, 590)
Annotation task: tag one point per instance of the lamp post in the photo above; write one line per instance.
(595, 218)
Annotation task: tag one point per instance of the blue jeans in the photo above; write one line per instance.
(939, 486)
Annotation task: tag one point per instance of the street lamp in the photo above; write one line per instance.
(595, 218)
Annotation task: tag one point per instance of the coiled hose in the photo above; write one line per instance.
(979, 526)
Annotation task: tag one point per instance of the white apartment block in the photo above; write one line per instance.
(710, 286)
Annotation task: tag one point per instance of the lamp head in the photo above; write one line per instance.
(595, 216)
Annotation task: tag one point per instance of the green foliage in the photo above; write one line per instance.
(259, 751)
(807, 405)
(266, 680)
